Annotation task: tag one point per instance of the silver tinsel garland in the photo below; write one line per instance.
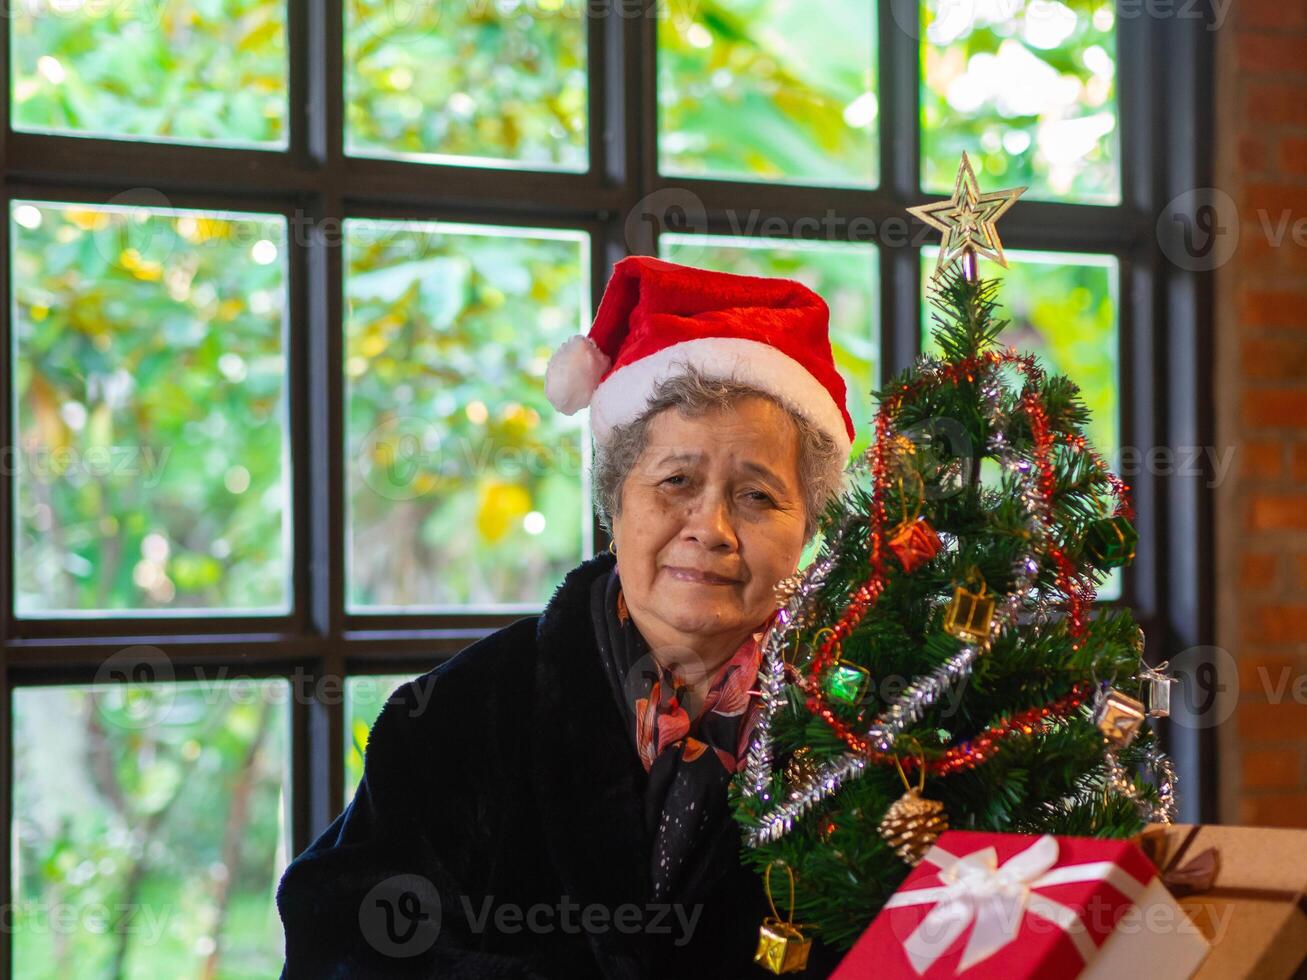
(780, 816)
(780, 820)
(1119, 781)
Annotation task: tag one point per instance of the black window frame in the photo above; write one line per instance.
(1165, 92)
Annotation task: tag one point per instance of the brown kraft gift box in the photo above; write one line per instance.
(1245, 888)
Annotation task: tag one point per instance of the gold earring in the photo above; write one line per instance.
(612, 546)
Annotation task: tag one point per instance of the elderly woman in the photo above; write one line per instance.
(552, 801)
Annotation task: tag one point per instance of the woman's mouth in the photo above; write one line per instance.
(694, 575)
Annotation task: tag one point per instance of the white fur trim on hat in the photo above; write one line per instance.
(624, 394)
(573, 373)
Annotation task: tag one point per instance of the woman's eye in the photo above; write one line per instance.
(761, 497)
(671, 478)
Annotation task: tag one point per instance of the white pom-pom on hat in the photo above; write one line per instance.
(573, 373)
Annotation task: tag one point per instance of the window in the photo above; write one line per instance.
(150, 375)
(281, 285)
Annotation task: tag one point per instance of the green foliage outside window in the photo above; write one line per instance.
(150, 381)
(185, 70)
(148, 830)
(465, 485)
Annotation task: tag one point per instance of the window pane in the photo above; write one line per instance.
(365, 696)
(845, 275)
(1028, 89)
(150, 378)
(491, 84)
(148, 829)
(184, 70)
(756, 90)
(1064, 308)
(466, 486)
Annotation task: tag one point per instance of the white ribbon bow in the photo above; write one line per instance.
(976, 888)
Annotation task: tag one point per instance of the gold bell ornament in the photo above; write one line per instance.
(913, 823)
(782, 947)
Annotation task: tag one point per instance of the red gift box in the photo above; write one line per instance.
(1015, 906)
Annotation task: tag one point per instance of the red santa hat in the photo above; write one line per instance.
(656, 316)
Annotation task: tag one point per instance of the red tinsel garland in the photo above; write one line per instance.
(1078, 591)
(983, 747)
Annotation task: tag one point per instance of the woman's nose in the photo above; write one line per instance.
(710, 521)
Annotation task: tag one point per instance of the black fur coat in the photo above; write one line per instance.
(498, 832)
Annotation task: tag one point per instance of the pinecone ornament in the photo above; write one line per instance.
(913, 823)
(800, 772)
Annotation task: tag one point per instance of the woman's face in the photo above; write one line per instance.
(711, 519)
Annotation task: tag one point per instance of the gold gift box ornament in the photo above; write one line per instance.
(970, 615)
(1119, 717)
(782, 946)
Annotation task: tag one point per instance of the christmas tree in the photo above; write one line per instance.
(940, 662)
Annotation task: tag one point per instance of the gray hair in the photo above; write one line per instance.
(693, 394)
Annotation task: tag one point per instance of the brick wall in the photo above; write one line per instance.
(1261, 389)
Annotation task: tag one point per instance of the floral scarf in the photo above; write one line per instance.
(690, 760)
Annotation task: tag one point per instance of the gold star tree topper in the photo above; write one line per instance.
(968, 221)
